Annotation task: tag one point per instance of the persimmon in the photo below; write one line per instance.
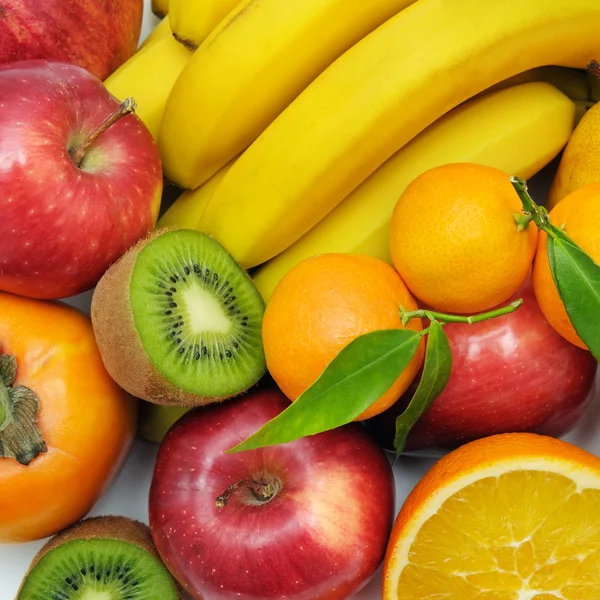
(65, 426)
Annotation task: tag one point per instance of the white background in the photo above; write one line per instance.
(128, 496)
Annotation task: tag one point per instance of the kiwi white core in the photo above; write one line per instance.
(205, 311)
(96, 595)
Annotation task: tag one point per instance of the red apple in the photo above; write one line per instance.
(98, 35)
(67, 214)
(509, 374)
(308, 519)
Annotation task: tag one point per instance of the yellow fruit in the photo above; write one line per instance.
(378, 96)
(454, 239)
(508, 517)
(221, 104)
(580, 162)
(163, 29)
(320, 306)
(160, 7)
(186, 211)
(579, 214)
(193, 20)
(148, 76)
(517, 130)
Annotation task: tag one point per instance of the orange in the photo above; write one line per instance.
(508, 517)
(320, 306)
(454, 239)
(579, 212)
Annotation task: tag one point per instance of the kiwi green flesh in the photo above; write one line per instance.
(198, 315)
(98, 569)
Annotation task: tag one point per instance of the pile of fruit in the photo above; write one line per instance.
(311, 251)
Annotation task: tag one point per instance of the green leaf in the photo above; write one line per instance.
(358, 376)
(577, 278)
(436, 372)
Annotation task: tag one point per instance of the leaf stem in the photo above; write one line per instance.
(407, 315)
(531, 211)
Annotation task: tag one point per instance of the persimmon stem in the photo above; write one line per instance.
(126, 107)
(407, 315)
(262, 491)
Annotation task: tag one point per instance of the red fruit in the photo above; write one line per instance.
(99, 35)
(321, 534)
(510, 374)
(63, 224)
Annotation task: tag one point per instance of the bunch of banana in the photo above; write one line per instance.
(253, 64)
(370, 102)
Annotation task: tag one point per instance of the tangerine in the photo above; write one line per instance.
(454, 239)
(579, 214)
(320, 306)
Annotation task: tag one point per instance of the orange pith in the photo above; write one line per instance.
(320, 306)
(509, 517)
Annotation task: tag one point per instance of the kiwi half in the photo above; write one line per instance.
(108, 558)
(178, 321)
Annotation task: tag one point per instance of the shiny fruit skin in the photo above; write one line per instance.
(535, 116)
(509, 374)
(87, 422)
(320, 306)
(579, 213)
(322, 535)
(62, 226)
(580, 162)
(375, 98)
(454, 239)
(98, 36)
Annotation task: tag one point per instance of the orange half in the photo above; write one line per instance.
(508, 517)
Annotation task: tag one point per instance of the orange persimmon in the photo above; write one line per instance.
(65, 426)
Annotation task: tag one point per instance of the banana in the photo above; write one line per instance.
(160, 8)
(193, 20)
(518, 130)
(155, 420)
(377, 97)
(185, 212)
(163, 29)
(148, 76)
(221, 103)
(574, 83)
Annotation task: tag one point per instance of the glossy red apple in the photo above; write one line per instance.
(65, 213)
(510, 374)
(98, 35)
(304, 520)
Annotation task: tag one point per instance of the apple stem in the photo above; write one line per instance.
(126, 107)
(407, 315)
(262, 491)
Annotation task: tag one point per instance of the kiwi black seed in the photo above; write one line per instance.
(103, 557)
(178, 321)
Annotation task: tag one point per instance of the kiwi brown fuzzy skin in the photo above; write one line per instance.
(119, 343)
(109, 527)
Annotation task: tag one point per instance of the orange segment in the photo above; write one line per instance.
(509, 517)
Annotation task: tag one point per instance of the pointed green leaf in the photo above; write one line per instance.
(8, 369)
(358, 376)
(577, 278)
(436, 372)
